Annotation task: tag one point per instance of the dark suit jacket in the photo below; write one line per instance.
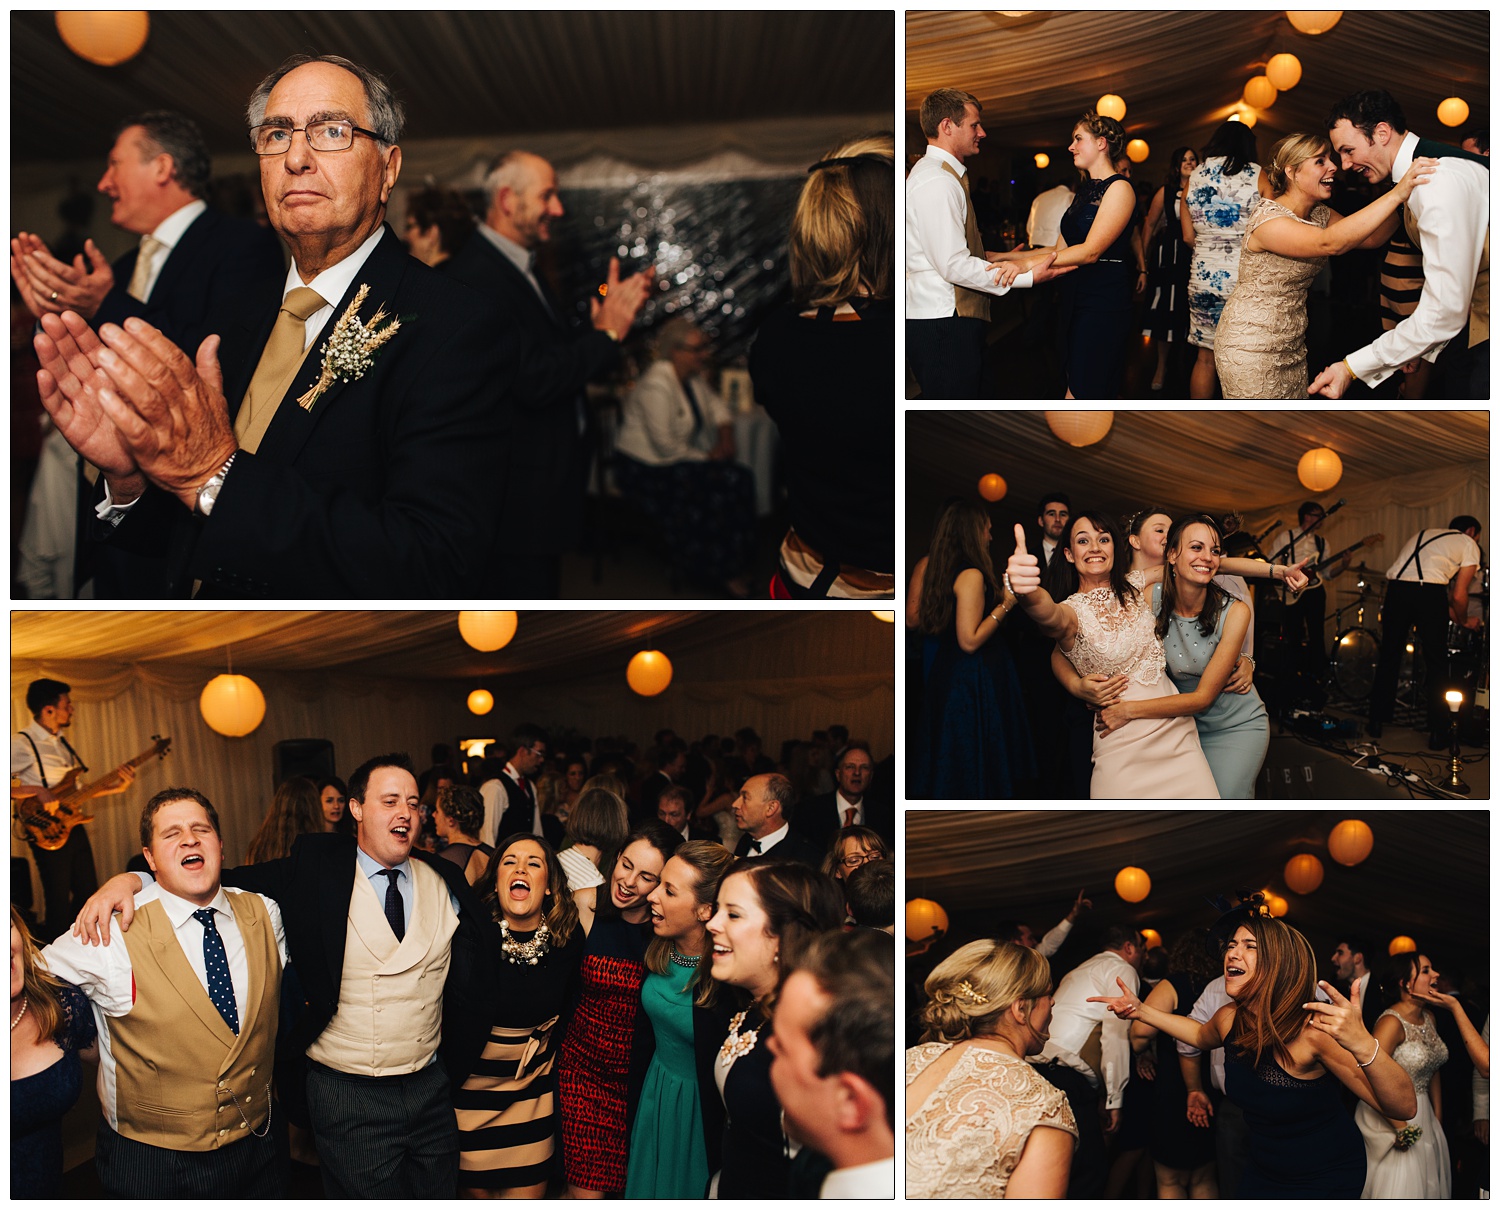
(819, 820)
(793, 847)
(516, 817)
(217, 264)
(313, 887)
(385, 487)
(650, 796)
(542, 495)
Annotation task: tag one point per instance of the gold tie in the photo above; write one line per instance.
(145, 261)
(969, 304)
(278, 365)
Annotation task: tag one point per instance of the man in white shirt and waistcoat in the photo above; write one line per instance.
(949, 276)
(187, 1007)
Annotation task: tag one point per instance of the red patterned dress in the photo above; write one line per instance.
(594, 1068)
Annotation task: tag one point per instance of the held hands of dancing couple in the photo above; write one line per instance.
(130, 402)
(1007, 266)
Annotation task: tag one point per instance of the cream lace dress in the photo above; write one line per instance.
(964, 1140)
(1261, 349)
(1146, 758)
(1422, 1171)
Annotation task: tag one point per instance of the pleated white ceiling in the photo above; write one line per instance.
(1427, 876)
(1180, 72)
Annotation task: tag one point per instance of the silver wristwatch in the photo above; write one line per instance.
(209, 492)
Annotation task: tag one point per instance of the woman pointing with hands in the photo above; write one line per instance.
(1285, 1055)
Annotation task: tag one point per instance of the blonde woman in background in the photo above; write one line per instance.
(981, 1123)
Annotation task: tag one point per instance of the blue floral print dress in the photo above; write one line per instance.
(1220, 207)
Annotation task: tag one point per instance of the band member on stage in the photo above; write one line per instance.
(1304, 616)
(1426, 586)
(40, 759)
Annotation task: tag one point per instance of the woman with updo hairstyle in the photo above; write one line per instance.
(1261, 350)
(1095, 236)
(457, 819)
(1220, 195)
(438, 223)
(981, 1123)
(818, 363)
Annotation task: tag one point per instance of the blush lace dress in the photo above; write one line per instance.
(964, 1140)
(1146, 758)
(1422, 1171)
(1261, 349)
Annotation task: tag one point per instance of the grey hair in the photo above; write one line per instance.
(387, 116)
(507, 170)
(177, 136)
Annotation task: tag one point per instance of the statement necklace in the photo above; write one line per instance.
(16, 1020)
(737, 1044)
(519, 953)
(682, 959)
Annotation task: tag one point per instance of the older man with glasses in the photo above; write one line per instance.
(338, 441)
(851, 804)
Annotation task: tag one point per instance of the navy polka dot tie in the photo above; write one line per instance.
(220, 988)
(395, 910)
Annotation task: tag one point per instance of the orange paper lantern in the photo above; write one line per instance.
(648, 673)
(1350, 841)
(1260, 92)
(487, 629)
(1284, 70)
(1153, 939)
(1080, 428)
(105, 38)
(1132, 884)
(1453, 112)
(1310, 21)
(1275, 904)
(1138, 150)
(925, 920)
(1042, 159)
(1111, 106)
(1402, 945)
(992, 487)
(232, 705)
(1304, 873)
(481, 701)
(1320, 469)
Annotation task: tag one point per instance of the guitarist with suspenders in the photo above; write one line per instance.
(40, 759)
(1304, 616)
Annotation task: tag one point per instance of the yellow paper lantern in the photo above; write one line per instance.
(1111, 106)
(1304, 873)
(1402, 945)
(1247, 116)
(885, 615)
(1453, 112)
(1284, 70)
(1153, 939)
(1350, 841)
(1275, 904)
(487, 629)
(105, 38)
(925, 920)
(1137, 150)
(992, 487)
(232, 705)
(1309, 22)
(1080, 428)
(1260, 92)
(649, 673)
(1318, 470)
(481, 701)
(1042, 159)
(1132, 884)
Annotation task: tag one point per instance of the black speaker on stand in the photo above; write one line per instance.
(302, 758)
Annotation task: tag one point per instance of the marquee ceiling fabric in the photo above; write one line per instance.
(549, 647)
(466, 73)
(1181, 72)
(1198, 460)
(1427, 876)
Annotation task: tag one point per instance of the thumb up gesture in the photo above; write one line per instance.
(1023, 569)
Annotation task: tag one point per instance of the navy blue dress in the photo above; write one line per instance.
(38, 1103)
(1303, 1143)
(975, 742)
(1096, 299)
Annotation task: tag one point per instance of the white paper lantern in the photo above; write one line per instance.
(1080, 428)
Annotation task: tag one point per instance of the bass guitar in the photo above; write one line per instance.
(1312, 569)
(48, 825)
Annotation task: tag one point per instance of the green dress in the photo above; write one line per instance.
(667, 1153)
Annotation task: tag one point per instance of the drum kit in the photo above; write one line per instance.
(1356, 648)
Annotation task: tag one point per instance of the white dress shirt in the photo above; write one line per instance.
(877, 1180)
(167, 233)
(937, 250)
(1053, 938)
(1074, 1019)
(1441, 558)
(770, 840)
(104, 973)
(497, 802)
(1214, 997)
(1452, 213)
(331, 284)
(1042, 225)
(56, 758)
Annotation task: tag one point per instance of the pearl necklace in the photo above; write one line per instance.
(16, 1020)
(517, 952)
(737, 1044)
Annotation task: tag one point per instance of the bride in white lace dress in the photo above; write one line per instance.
(1107, 627)
(1409, 1035)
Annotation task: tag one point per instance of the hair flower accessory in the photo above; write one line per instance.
(350, 351)
(968, 992)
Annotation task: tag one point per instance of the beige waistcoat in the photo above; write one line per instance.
(178, 1068)
(390, 1013)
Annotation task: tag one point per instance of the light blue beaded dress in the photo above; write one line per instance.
(1234, 730)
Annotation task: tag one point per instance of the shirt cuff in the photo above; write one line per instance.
(110, 512)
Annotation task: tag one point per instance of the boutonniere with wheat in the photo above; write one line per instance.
(350, 351)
